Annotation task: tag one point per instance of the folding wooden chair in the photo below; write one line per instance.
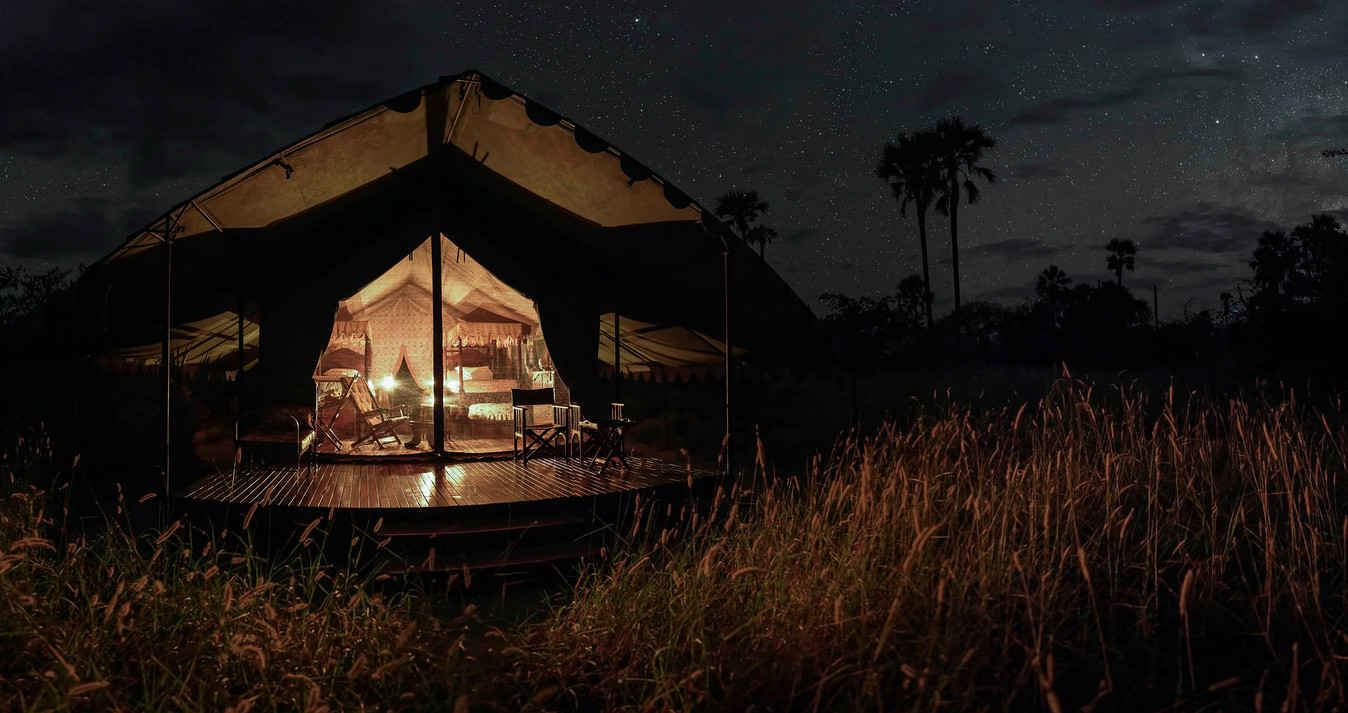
(379, 422)
(530, 437)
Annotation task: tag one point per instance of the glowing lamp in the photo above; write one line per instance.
(388, 382)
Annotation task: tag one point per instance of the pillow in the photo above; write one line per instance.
(477, 373)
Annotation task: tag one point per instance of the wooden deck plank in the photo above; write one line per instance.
(286, 486)
(252, 488)
(396, 485)
(209, 488)
(416, 488)
(313, 489)
(310, 488)
(317, 494)
(444, 494)
(412, 484)
(423, 485)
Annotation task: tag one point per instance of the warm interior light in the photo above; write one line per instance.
(388, 382)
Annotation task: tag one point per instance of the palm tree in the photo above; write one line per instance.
(1121, 254)
(908, 166)
(760, 234)
(741, 209)
(959, 148)
(1050, 288)
(1052, 283)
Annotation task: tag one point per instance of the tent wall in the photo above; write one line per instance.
(552, 211)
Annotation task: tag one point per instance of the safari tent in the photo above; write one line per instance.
(458, 239)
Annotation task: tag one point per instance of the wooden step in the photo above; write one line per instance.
(479, 525)
(519, 556)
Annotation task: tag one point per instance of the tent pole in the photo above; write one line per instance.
(617, 365)
(725, 266)
(437, 134)
(437, 346)
(458, 356)
(238, 389)
(165, 355)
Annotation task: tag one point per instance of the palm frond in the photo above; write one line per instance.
(971, 190)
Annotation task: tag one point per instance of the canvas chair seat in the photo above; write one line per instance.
(533, 438)
(380, 423)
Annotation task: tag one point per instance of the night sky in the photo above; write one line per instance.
(1188, 127)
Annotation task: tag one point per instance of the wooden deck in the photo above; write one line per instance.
(426, 485)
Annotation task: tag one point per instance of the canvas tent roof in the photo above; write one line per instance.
(576, 225)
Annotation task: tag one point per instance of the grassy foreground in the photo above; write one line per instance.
(1096, 551)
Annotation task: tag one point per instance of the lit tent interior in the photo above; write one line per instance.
(330, 253)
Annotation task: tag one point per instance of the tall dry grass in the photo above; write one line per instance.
(177, 620)
(1091, 552)
(1094, 551)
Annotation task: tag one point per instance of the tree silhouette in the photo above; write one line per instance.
(1298, 303)
(22, 292)
(911, 297)
(1051, 288)
(908, 167)
(1052, 282)
(741, 209)
(863, 324)
(761, 235)
(1121, 254)
(959, 149)
(1324, 258)
(1275, 265)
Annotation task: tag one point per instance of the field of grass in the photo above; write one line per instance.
(1097, 550)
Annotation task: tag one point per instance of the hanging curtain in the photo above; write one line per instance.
(482, 334)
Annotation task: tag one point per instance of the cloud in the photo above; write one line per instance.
(955, 84)
(1005, 293)
(1203, 19)
(798, 235)
(1179, 267)
(1060, 109)
(79, 234)
(1014, 249)
(1272, 15)
(1328, 130)
(1205, 227)
(1035, 170)
(163, 87)
(767, 164)
(926, 26)
(1057, 110)
(1250, 19)
(808, 175)
(1132, 4)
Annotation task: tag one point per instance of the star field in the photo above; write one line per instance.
(1188, 127)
